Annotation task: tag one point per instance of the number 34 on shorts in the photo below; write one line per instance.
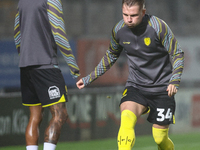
(162, 115)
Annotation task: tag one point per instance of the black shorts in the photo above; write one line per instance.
(44, 87)
(162, 107)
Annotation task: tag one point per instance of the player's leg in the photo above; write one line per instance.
(160, 135)
(29, 98)
(32, 130)
(133, 104)
(130, 111)
(162, 115)
(52, 92)
(52, 133)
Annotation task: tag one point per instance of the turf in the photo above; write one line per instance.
(181, 141)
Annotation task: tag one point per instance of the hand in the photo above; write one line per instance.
(80, 84)
(172, 90)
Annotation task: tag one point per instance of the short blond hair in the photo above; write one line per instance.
(129, 3)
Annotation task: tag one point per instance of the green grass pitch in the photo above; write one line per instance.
(181, 141)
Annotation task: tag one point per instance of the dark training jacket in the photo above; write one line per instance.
(155, 58)
(39, 32)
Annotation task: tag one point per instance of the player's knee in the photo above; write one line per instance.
(160, 135)
(158, 140)
(128, 119)
(64, 116)
(162, 140)
(61, 117)
(36, 119)
(59, 113)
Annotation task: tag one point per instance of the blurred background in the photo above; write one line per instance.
(93, 111)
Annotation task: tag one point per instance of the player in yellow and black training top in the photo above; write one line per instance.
(39, 32)
(153, 78)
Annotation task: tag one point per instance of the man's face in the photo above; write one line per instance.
(132, 15)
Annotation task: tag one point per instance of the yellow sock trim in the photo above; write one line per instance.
(126, 135)
(162, 140)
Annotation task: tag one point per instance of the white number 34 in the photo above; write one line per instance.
(162, 116)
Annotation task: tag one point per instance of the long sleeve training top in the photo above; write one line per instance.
(155, 58)
(39, 32)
